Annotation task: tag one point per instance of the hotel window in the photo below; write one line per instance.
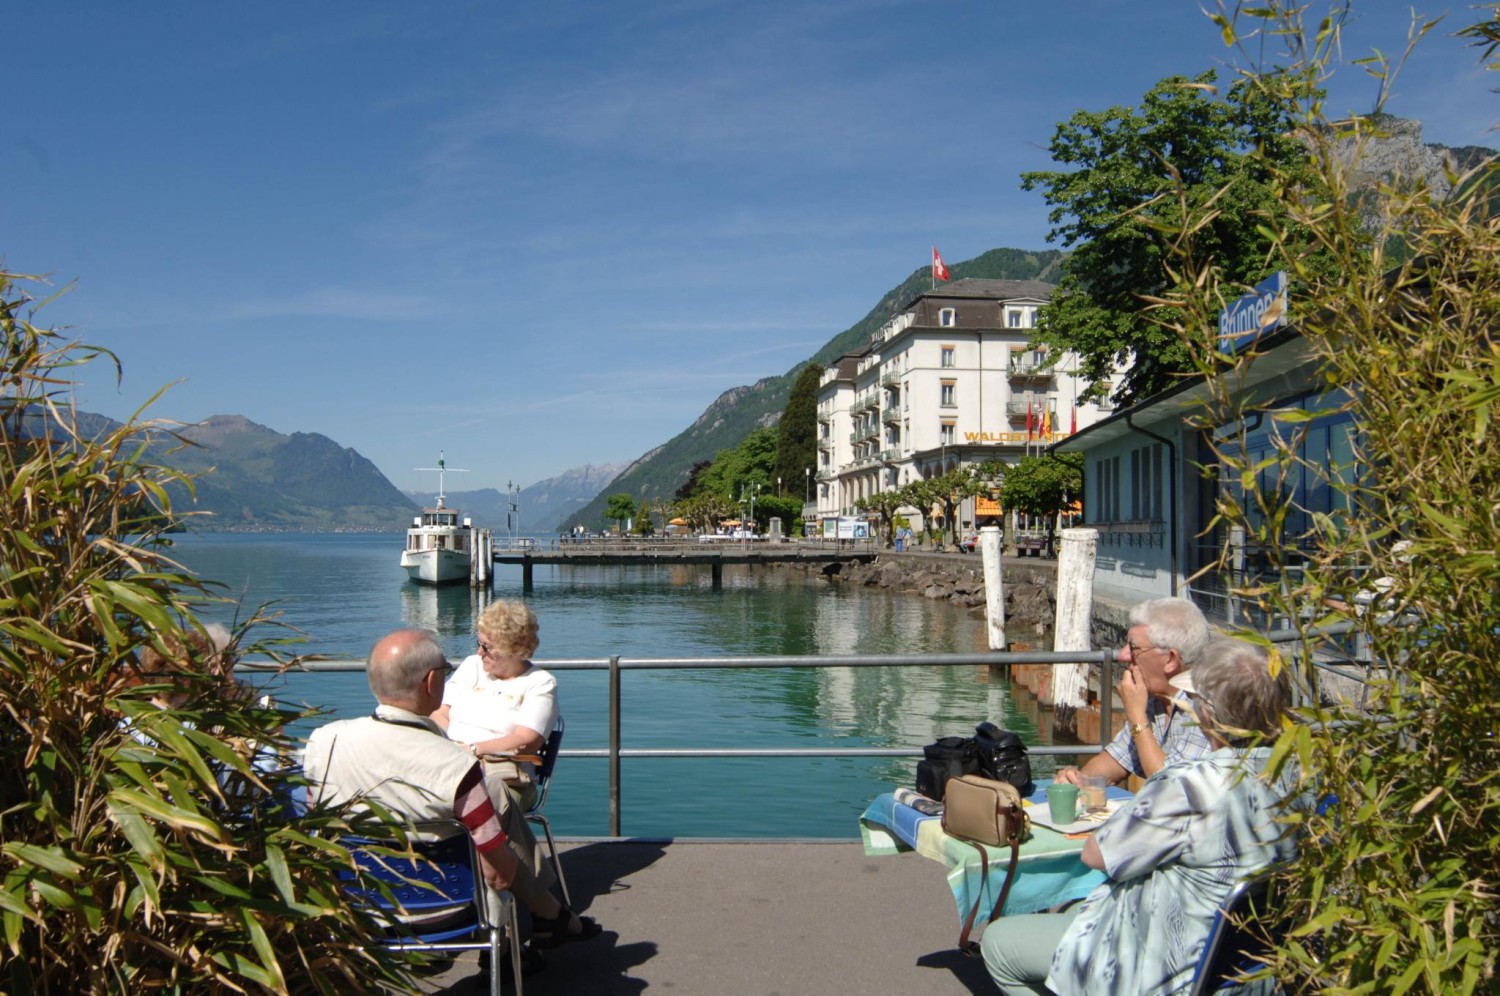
(946, 434)
(948, 357)
(946, 396)
(948, 317)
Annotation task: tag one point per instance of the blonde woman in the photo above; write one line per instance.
(497, 702)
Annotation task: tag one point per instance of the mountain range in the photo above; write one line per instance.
(265, 480)
(542, 507)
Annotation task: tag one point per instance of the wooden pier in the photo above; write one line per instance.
(675, 552)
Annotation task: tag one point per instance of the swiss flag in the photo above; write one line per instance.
(939, 268)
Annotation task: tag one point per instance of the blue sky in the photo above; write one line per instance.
(539, 236)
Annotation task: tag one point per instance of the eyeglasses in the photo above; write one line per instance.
(485, 649)
(1136, 652)
(443, 669)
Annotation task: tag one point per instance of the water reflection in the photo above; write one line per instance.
(345, 591)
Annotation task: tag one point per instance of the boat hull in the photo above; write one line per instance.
(436, 566)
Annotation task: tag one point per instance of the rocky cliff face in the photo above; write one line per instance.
(1400, 152)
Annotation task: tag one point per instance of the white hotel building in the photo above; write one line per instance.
(953, 380)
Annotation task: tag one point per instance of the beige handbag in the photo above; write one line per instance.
(985, 813)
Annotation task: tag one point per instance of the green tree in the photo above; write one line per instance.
(621, 508)
(797, 432)
(1125, 171)
(705, 511)
(748, 463)
(1042, 485)
(1395, 887)
(949, 491)
(787, 508)
(885, 503)
(142, 851)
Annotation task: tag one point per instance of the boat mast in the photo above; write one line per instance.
(442, 468)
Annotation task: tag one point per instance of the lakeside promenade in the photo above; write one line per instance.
(796, 918)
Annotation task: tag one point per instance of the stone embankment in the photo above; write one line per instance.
(958, 578)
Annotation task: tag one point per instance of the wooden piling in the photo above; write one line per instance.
(1075, 605)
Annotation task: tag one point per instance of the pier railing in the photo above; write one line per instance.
(617, 666)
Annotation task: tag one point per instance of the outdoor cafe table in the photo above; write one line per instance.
(1050, 870)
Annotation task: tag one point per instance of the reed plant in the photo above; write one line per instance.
(1397, 887)
(142, 848)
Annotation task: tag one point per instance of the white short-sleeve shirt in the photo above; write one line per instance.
(481, 707)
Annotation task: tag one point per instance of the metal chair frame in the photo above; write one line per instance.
(549, 754)
(1231, 948)
(438, 882)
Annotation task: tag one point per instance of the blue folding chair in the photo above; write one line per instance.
(1236, 942)
(441, 903)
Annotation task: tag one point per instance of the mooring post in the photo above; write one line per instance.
(526, 574)
(1075, 609)
(994, 587)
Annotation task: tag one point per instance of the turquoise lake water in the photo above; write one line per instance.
(342, 592)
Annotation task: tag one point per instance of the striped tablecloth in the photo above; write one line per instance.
(1049, 871)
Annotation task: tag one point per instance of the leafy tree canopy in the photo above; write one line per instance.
(621, 507)
(751, 462)
(1127, 172)
(1042, 485)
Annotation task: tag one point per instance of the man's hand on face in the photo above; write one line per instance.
(1133, 693)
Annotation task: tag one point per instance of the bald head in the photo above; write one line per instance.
(398, 667)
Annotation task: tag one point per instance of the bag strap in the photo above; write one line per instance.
(1014, 839)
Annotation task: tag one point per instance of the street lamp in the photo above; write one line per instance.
(807, 491)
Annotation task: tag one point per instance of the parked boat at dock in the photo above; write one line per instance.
(439, 543)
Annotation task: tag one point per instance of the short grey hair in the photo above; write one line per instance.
(1174, 624)
(396, 677)
(1233, 679)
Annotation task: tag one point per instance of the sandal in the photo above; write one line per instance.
(553, 932)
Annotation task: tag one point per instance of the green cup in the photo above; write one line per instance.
(1062, 802)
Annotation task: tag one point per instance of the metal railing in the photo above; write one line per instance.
(617, 666)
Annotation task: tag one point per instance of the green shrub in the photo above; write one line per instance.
(139, 848)
(1397, 884)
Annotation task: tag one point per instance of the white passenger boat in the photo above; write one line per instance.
(439, 543)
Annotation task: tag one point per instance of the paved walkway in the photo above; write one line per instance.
(751, 919)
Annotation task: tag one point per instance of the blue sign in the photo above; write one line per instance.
(1253, 315)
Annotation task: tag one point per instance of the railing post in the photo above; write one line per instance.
(1106, 698)
(614, 746)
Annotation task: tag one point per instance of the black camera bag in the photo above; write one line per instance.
(990, 753)
(948, 758)
(1002, 756)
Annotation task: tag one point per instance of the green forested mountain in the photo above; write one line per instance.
(740, 409)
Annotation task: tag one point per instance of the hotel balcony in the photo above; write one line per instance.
(890, 378)
(1020, 409)
(892, 416)
(1031, 370)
